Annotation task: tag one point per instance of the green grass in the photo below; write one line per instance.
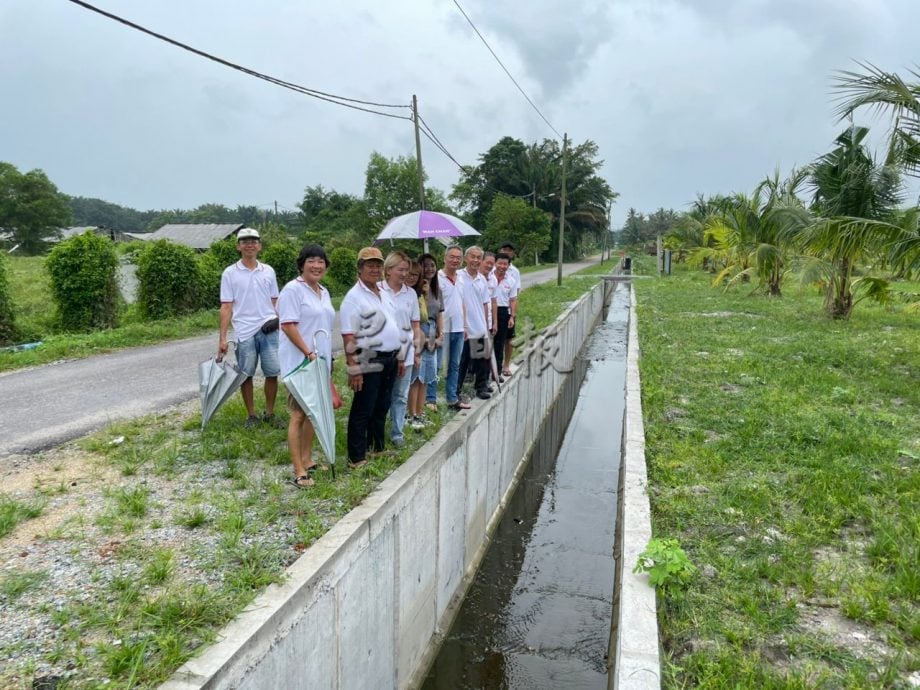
(13, 512)
(781, 449)
(15, 583)
(230, 486)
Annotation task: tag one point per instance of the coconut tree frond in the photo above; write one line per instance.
(813, 270)
(872, 287)
(703, 256)
(886, 92)
(722, 276)
(742, 276)
(876, 89)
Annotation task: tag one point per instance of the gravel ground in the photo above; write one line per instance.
(78, 552)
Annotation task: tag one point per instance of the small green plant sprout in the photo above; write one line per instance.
(666, 564)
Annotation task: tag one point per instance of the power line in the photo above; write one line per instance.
(425, 129)
(498, 60)
(321, 95)
(433, 138)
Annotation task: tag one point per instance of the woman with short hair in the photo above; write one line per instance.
(304, 308)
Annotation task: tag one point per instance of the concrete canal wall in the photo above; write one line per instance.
(365, 605)
(634, 653)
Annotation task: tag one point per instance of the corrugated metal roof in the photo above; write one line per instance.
(67, 233)
(195, 235)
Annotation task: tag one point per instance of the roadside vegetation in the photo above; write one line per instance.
(783, 452)
(173, 531)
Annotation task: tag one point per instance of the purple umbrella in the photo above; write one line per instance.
(423, 225)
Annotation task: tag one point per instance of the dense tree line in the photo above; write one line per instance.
(88, 211)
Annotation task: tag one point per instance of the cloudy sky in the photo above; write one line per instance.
(682, 96)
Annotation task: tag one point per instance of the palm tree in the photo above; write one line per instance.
(886, 92)
(855, 199)
(753, 236)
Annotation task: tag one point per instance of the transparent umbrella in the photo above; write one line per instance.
(218, 380)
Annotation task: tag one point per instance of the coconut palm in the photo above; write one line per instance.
(753, 236)
(855, 199)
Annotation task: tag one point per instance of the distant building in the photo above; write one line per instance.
(101, 230)
(198, 236)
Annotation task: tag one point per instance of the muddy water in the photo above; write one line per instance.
(538, 614)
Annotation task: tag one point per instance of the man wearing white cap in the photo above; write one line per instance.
(248, 293)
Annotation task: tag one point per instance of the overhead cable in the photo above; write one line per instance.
(425, 129)
(498, 60)
(321, 95)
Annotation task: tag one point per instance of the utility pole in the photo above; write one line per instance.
(418, 163)
(276, 211)
(607, 236)
(565, 146)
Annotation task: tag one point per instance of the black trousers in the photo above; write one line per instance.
(475, 358)
(501, 336)
(367, 417)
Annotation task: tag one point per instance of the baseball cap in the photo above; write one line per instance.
(247, 232)
(369, 254)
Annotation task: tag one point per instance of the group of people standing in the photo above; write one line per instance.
(398, 322)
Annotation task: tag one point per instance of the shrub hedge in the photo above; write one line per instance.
(8, 331)
(169, 281)
(343, 271)
(84, 283)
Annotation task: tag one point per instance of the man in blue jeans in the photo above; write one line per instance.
(248, 293)
(454, 323)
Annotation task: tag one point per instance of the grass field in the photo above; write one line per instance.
(174, 531)
(35, 319)
(784, 454)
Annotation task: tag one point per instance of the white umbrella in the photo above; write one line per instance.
(425, 225)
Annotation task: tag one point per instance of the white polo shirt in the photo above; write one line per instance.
(475, 297)
(506, 290)
(452, 299)
(251, 293)
(364, 315)
(492, 285)
(404, 305)
(515, 273)
(299, 304)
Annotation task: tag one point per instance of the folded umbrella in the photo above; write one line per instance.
(218, 380)
(311, 386)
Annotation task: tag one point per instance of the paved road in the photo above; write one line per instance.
(47, 405)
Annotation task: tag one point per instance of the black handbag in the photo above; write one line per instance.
(270, 326)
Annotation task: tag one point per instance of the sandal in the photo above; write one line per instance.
(303, 481)
(432, 406)
(358, 463)
(316, 467)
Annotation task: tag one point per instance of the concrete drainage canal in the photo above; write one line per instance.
(539, 611)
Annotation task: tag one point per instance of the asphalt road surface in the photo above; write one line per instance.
(48, 405)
